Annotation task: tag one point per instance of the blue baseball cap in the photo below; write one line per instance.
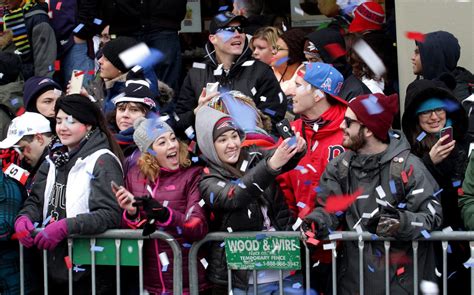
(326, 78)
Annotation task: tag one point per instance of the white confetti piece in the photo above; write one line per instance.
(70, 119)
(418, 191)
(249, 213)
(202, 202)
(165, 203)
(301, 205)
(370, 57)
(258, 187)
(311, 167)
(221, 183)
(263, 98)
(380, 191)
(57, 92)
(218, 72)
(135, 55)
(335, 237)
(229, 229)
(242, 185)
(164, 118)
(431, 208)
(359, 229)
(418, 224)
(315, 144)
(448, 229)
(381, 202)
(1, 75)
(366, 215)
(248, 63)
(316, 263)
(244, 165)
(372, 214)
(130, 249)
(297, 224)
(362, 197)
(254, 91)
(428, 287)
(148, 188)
(198, 65)
(176, 117)
(438, 274)
(204, 263)
(280, 96)
(164, 258)
(299, 11)
(189, 132)
(469, 263)
(329, 246)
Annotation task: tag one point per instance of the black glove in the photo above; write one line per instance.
(320, 229)
(385, 223)
(154, 211)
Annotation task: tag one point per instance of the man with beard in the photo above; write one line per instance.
(391, 194)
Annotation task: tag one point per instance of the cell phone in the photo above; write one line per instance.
(446, 131)
(77, 78)
(284, 129)
(114, 186)
(212, 88)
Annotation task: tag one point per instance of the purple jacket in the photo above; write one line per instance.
(187, 223)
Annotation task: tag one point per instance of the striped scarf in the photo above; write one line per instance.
(14, 20)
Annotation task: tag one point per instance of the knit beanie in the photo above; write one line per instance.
(147, 131)
(10, 65)
(430, 104)
(367, 16)
(137, 89)
(223, 125)
(34, 87)
(113, 48)
(376, 111)
(294, 39)
(80, 108)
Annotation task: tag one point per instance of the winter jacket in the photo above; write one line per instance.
(365, 173)
(103, 210)
(449, 174)
(187, 223)
(127, 17)
(251, 77)
(466, 201)
(237, 203)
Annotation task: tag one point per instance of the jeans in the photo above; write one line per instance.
(77, 59)
(167, 42)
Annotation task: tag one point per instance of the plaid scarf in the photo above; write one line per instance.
(14, 20)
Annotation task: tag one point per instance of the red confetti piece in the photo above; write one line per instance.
(304, 211)
(141, 222)
(192, 146)
(301, 74)
(192, 222)
(309, 234)
(206, 170)
(79, 73)
(400, 271)
(57, 65)
(212, 217)
(404, 177)
(460, 192)
(417, 36)
(91, 72)
(313, 241)
(20, 111)
(68, 261)
(340, 203)
(58, 5)
(230, 194)
(335, 50)
(170, 187)
(20, 235)
(410, 171)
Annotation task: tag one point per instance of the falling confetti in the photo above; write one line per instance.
(416, 36)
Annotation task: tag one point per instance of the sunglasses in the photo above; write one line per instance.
(231, 29)
(438, 111)
(348, 121)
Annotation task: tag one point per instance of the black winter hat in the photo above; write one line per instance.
(10, 65)
(81, 108)
(34, 87)
(223, 19)
(326, 36)
(295, 39)
(137, 89)
(113, 48)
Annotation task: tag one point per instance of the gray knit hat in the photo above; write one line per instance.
(147, 131)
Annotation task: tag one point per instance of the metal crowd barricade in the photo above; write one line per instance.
(443, 237)
(220, 236)
(118, 235)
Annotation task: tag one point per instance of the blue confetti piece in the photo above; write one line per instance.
(317, 189)
(374, 237)
(211, 196)
(35, 224)
(469, 263)
(451, 106)
(425, 234)
(339, 213)
(225, 35)
(450, 251)
(14, 101)
(244, 115)
(299, 167)
(179, 230)
(260, 237)
(282, 61)
(97, 249)
(97, 21)
(78, 28)
(393, 187)
(378, 253)
(91, 175)
(437, 193)
(372, 106)
(223, 8)
(195, 159)
(292, 141)
(402, 205)
(222, 245)
(258, 264)
(452, 274)
(269, 112)
(296, 285)
(164, 268)
(187, 245)
(152, 152)
(46, 221)
(221, 17)
(457, 183)
(152, 59)
(301, 205)
(371, 269)
(421, 136)
(76, 268)
(307, 182)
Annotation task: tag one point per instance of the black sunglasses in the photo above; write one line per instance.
(231, 29)
(348, 121)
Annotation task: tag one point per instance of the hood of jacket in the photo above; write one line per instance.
(421, 90)
(211, 58)
(439, 53)
(206, 119)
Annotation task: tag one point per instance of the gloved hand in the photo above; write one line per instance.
(52, 235)
(315, 225)
(23, 224)
(385, 223)
(154, 211)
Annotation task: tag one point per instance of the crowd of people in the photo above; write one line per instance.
(90, 141)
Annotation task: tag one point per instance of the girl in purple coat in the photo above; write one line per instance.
(172, 204)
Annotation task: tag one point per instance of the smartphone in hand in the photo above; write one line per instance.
(77, 78)
(114, 186)
(446, 131)
(212, 88)
(284, 129)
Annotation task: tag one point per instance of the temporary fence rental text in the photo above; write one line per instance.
(118, 244)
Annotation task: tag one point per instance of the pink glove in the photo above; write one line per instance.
(51, 235)
(24, 225)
